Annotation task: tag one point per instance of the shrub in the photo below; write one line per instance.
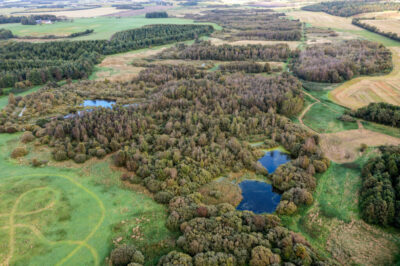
(163, 197)
(126, 254)
(60, 156)
(80, 158)
(27, 137)
(19, 152)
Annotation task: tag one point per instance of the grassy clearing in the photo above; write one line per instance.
(333, 225)
(67, 215)
(391, 131)
(4, 98)
(103, 27)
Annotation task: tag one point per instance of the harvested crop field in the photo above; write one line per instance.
(385, 25)
(320, 19)
(379, 15)
(342, 147)
(128, 13)
(361, 91)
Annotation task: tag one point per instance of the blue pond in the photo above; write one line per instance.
(272, 159)
(98, 103)
(258, 197)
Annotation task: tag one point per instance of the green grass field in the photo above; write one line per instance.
(103, 27)
(69, 216)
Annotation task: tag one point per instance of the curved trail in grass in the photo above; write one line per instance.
(80, 244)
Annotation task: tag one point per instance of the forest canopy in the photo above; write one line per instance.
(351, 8)
(337, 62)
(380, 192)
(38, 63)
(383, 113)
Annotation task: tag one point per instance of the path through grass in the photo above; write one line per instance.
(69, 216)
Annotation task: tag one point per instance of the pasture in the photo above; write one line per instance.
(72, 215)
(85, 13)
(361, 91)
(323, 20)
(104, 27)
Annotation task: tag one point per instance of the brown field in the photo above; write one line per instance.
(361, 91)
(293, 45)
(385, 25)
(379, 15)
(320, 19)
(88, 13)
(342, 147)
(118, 67)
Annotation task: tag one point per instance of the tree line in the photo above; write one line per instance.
(5, 34)
(157, 15)
(246, 66)
(382, 113)
(82, 55)
(380, 191)
(391, 35)
(351, 8)
(206, 51)
(336, 62)
(30, 20)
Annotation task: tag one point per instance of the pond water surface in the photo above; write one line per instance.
(259, 196)
(98, 103)
(274, 158)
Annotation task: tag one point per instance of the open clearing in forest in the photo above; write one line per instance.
(385, 25)
(324, 20)
(361, 91)
(104, 27)
(71, 215)
(333, 224)
(292, 44)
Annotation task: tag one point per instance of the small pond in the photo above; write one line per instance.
(274, 158)
(258, 197)
(98, 103)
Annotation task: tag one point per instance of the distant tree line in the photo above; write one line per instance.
(336, 62)
(380, 191)
(206, 51)
(27, 20)
(157, 15)
(252, 24)
(132, 6)
(382, 113)
(359, 22)
(76, 59)
(351, 8)
(54, 37)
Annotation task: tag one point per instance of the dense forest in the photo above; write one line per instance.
(76, 59)
(252, 24)
(380, 192)
(359, 22)
(206, 51)
(336, 62)
(190, 128)
(383, 113)
(157, 15)
(246, 66)
(351, 8)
